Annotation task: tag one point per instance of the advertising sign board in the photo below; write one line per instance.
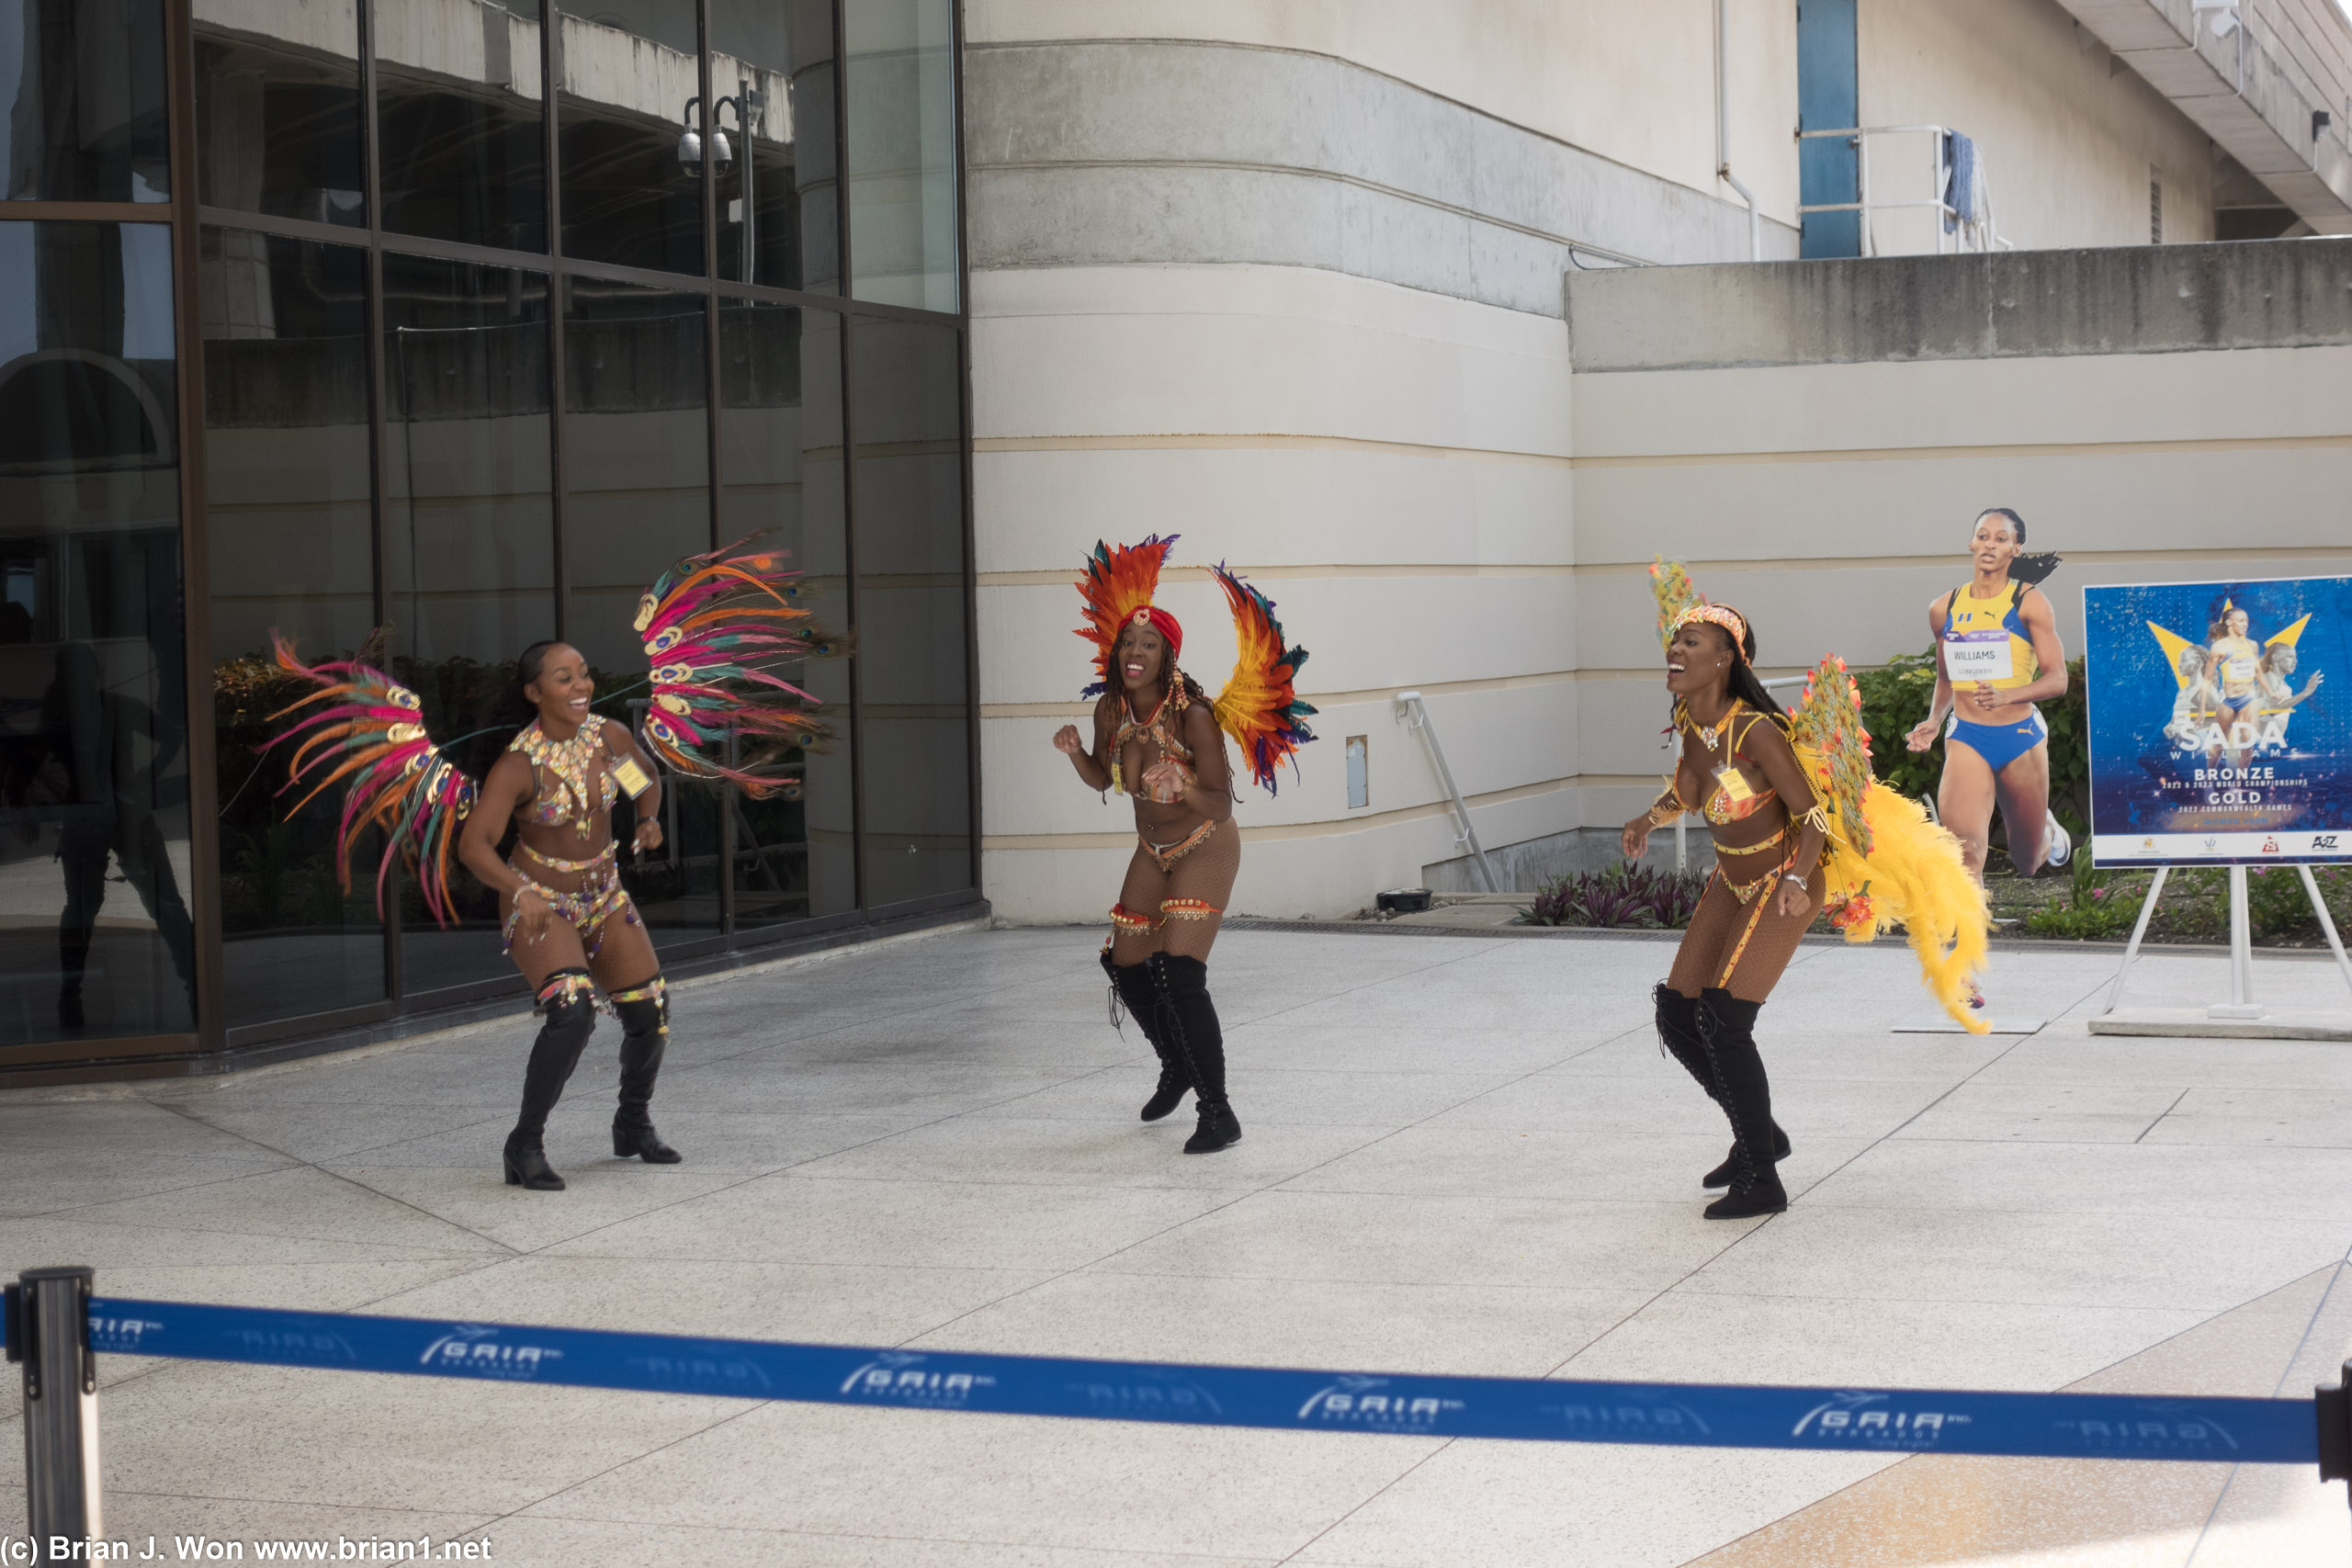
(2216, 736)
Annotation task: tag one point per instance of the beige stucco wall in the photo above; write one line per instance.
(2068, 143)
(1830, 502)
(1400, 489)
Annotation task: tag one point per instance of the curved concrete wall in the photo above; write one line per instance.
(1124, 150)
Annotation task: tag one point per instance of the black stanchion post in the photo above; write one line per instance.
(49, 1332)
(2334, 1402)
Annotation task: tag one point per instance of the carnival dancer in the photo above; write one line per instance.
(1158, 737)
(1799, 827)
(710, 625)
(1997, 654)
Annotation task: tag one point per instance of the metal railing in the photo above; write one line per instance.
(1414, 714)
(1964, 230)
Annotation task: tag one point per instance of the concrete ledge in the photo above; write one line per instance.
(2136, 300)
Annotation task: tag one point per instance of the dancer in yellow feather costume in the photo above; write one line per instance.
(1799, 827)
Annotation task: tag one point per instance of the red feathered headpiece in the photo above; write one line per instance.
(1163, 623)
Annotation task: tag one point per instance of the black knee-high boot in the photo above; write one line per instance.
(566, 1002)
(1132, 984)
(1199, 1044)
(645, 1032)
(1678, 1031)
(1728, 1031)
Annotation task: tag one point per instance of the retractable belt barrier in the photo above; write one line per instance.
(1886, 1421)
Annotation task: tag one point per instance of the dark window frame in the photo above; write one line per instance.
(186, 219)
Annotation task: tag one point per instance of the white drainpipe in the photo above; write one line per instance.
(1723, 138)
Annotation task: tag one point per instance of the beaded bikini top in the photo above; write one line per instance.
(566, 770)
(1723, 804)
(1163, 726)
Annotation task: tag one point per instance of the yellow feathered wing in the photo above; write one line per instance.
(1885, 864)
(1913, 876)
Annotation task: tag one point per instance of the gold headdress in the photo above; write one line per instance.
(1884, 864)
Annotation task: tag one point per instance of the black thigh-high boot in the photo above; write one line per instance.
(1198, 1042)
(645, 1032)
(1727, 1032)
(1678, 1031)
(1133, 984)
(567, 1002)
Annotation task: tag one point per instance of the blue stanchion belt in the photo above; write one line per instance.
(2056, 1426)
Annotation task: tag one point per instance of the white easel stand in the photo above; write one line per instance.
(2240, 1017)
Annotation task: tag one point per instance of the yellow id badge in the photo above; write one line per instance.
(1733, 784)
(632, 777)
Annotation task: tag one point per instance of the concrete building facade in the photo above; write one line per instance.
(1312, 285)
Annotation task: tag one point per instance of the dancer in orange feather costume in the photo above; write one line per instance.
(1158, 737)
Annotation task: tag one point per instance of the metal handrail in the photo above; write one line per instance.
(1414, 714)
(1860, 136)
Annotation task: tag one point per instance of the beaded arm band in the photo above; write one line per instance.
(1668, 805)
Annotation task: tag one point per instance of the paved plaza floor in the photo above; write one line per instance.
(1463, 1153)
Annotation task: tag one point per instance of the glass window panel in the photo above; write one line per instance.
(461, 133)
(780, 456)
(82, 100)
(636, 497)
(95, 936)
(630, 86)
(287, 463)
(899, 66)
(277, 109)
(772, 68)
(914, 703)
(470, 537)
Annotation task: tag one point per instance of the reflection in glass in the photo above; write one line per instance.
(636, 497)
(82, 100)
(780, 455)
(95, 936)
(470, 545)
(458, 125)
(899, 68)
(277, 110)
(913, 661)
(771, 69)
(286, 461)
(633, 128)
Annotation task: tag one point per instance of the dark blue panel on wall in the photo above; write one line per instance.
(1828, 99)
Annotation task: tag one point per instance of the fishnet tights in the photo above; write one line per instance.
(1205, 873)
(1714, 934)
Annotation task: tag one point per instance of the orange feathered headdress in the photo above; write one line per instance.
(1260, 707)
(1118, 585)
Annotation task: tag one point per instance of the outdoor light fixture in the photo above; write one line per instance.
(690, 142)
(748, 103)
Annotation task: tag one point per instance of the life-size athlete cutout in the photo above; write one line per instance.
(1997, 654)
(1157, 737)
(1799, 827)
(710, 625)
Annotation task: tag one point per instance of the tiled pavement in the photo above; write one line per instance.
(1463, 1153)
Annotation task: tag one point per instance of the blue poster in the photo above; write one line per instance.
(2220, 721)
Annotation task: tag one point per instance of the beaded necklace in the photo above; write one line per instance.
(573, 762)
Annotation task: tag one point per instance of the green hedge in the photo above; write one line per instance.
(1895, 697)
